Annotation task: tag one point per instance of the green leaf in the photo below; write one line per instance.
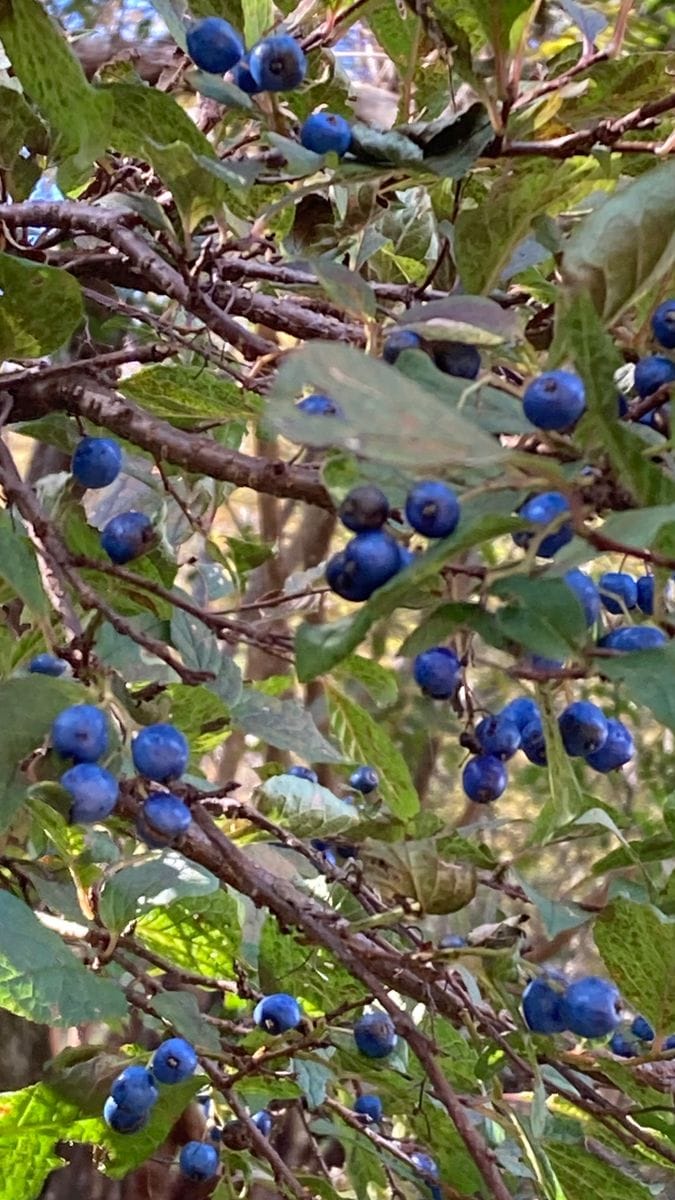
(40, 307)
(153, 882)
(648, 678)
(365, 740)
(184, 394)
(258, 19)
(305, 809)
(200, 934)
(285, 724)
(32, 1122)
(18, 566)
(625, 245)
(41, 979)
(29, 706)
(52, 77)
(182, 1012)
(418, 430)
(346, 288)
(582, 1174)
(446, 620)
(637, 945)
(497, 20)
(16, 120)
(546, 618)
(381, 683)
(461, 318)
(415, 870)
(313, 1076)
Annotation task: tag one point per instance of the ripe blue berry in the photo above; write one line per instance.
(213, 45)
(583, 728)
(277, 1013)
(127, 536)
(498, 735)
(618, 749)
(452, 941)
(318, 405)
(135, 1089)
(542, 510)
(375, 1035)
(398, 341)
(326, 133)
(327, 849)
(123, 1120)
(47, 664)
(365, 507)
(368, 561)
(303, 773)
(652, 373)
(174, 1061)
(436, 671)
(428, 1166)
(555, 400)
(198, 1161)
(629, 638)
(458, 359)
(432, 508)
(263, 1120)
(542, 1004)
(277, 64)
(484, 779)
(533, 743)
(369, 1107)
(364, 779)
(624, 1047)
(94, 792)
(642, 1029)
(522, 711)
(663, 324)
(591, 1007)
(166, 814)
(618, 591)
(586, 593)
(160, 752)
(645, 594)
(81, 732)
(242, 78)
(96, 462)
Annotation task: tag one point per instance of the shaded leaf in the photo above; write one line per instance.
(365, 740)
(183, 393)
(583, 1174)
(305, 809)
(154, 882)
(415, 871)
(285, 724)
(637, 945)
(40, 307)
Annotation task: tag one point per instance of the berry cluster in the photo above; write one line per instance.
(452, 358)
(589, 1007)
(275, 64)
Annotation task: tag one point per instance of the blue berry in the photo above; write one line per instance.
(94, 792)
(663, 324)
(452, 941)
(174, 1061)
(81, 732)
(458, 359)
(327, 849)
(363, 508)
(437, 671)
(583, 728)
(624, 1047)
(263, 1120)
(96, 462)
(618, 591)
(369, 1107)
(368, 561)
(198, 1161)
(318, 405)
(629, 638)
(591, 1007)
(645, 594)
(127, 536)
(398, 341)
(301, 772)
(533, 743)
(432, 508)
(364, 779)
(123, 1120)
(160, 752)
(135, 1089)
(642, 1030)
(47, 664)
(428, 1166)
(484, 779)
(522, 711)
(277, 1013)
(542, 1004)
(375, 1035)
(618, 749)
(498, 735)
(278, 64)
(542, 510)
(326, 133)
(652, 373)
(213, 45)
(586, 593)
(555, 400)
(166, 814)
(242, 78)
